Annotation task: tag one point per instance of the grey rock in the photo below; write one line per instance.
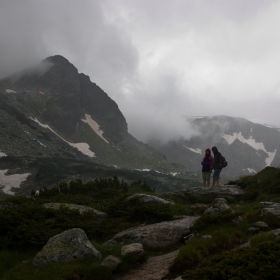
(162, 235)
(269, 204)
(69, 245)
(134, 250)
(253, 230)
(206, 236)
(270, 209)
(261, 225)
(112, 262)
(275, 234)
(97, 216)
(219, 205)
(238, 220)
(146, 198)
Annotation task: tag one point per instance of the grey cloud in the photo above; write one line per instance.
(159, 60)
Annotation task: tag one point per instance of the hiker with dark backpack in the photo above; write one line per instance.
(219, 164)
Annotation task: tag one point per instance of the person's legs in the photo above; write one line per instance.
(204, 183)
(216, 177)
(207, 177)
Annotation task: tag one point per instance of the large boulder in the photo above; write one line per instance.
(162, 235)
(146, 198)
(97, 216)
(69, 245)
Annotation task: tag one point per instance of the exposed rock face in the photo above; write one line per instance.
(146, 198)
(270, 209)
(225, 191)
(97, 216)
(112, 262)
(69, 245)
(156, 236)
(134, 250)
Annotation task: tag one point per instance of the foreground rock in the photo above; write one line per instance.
(146, 198)
(69, 245)
(162, 235)
(97, 216)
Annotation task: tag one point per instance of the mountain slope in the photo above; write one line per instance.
(51, 110)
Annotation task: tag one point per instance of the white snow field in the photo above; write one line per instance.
(82, 147)
(7, 182)
(251, 142)
(95, 127)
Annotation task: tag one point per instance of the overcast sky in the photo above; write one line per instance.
(159, 60)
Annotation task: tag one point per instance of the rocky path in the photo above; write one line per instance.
(154, 269)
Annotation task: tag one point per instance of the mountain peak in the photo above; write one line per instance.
(57, 59)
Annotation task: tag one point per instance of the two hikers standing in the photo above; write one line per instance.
(208, 164)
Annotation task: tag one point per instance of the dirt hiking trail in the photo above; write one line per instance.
(155, 268)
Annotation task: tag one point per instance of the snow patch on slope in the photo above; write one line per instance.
(198, 151)
(11, 181)
(82, 147)
(251, 170)
(95, 126)
(10, 91)
(2, 154)
(251, 142)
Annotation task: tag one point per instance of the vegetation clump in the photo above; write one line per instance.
(261, 262)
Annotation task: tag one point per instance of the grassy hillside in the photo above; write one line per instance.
(26, 226)
(215, 258)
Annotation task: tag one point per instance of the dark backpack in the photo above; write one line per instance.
(224, 162)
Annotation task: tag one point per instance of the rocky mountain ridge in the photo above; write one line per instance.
(248, 147)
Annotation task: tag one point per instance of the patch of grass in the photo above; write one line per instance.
(83, 269)
(198, 249)
(9, 259)
(261, 262)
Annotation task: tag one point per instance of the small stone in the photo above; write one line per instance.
(254, 230)
(112, 262)
(134, 249)
(275, 234)
(261, 225)
(206, 236)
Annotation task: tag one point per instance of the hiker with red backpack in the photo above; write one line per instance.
(207, 166)
(219, 164)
